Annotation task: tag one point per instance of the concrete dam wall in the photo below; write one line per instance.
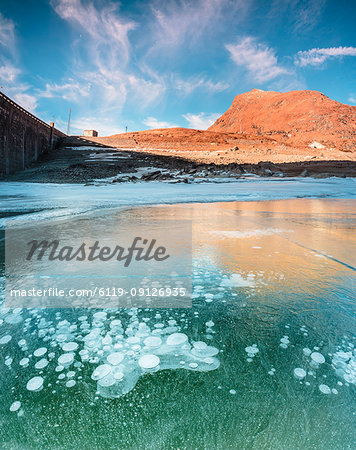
(23, 137)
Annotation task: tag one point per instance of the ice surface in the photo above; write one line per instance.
(58, 198)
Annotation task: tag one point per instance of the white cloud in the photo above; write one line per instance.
(25, 100)
(145, 92)
(198, 82)
(152, 122)
(102, 71)
(317, 56)
(11, 85)
(70, 90)
(7, 33)
(352, 98)
(258, 59)
(108, 30)
(201, 121)
(182, 21)
(8, 73)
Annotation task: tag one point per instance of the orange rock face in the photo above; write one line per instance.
(296, 118)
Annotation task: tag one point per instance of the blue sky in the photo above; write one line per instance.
(148, 64)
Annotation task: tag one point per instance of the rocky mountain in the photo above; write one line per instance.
(297, 118)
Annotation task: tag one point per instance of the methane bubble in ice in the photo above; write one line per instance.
(115, 358)
(177, 339)
(323, 388)
(40, 352)
(69, 346)
(318, 358)
(101, 371)
(251, 351)
(41, 364)
(35, 384)
(116, 352)
(66, 359)
(15, 406)
(299, 373)
(202, 350)
(24, 362)
(193, 365)
(5, 339)
(153, 341)
(148, 361)
(344, 363)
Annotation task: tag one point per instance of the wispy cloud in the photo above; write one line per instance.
(198, 82)
(307, 13)
(70, 90)
(185, 21)
(152, 122)
(352, 98)
(317, 56)
(102, 68)
(107, 29)
(201, 121)
(11, 85)
(260, 60)
(146, 92)
(24, 99)
(7, 33)
(300, 15)
(10, 74)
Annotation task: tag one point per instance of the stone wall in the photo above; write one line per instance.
(23, 137)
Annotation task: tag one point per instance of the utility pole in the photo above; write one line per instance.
(126, 129)
(68, 126)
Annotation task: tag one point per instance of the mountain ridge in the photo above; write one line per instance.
(298, 118)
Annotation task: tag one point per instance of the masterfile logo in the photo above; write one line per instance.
(66, 264)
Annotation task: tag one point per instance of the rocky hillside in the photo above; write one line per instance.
(297, 118)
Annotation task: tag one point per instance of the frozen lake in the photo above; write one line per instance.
(265, 358)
